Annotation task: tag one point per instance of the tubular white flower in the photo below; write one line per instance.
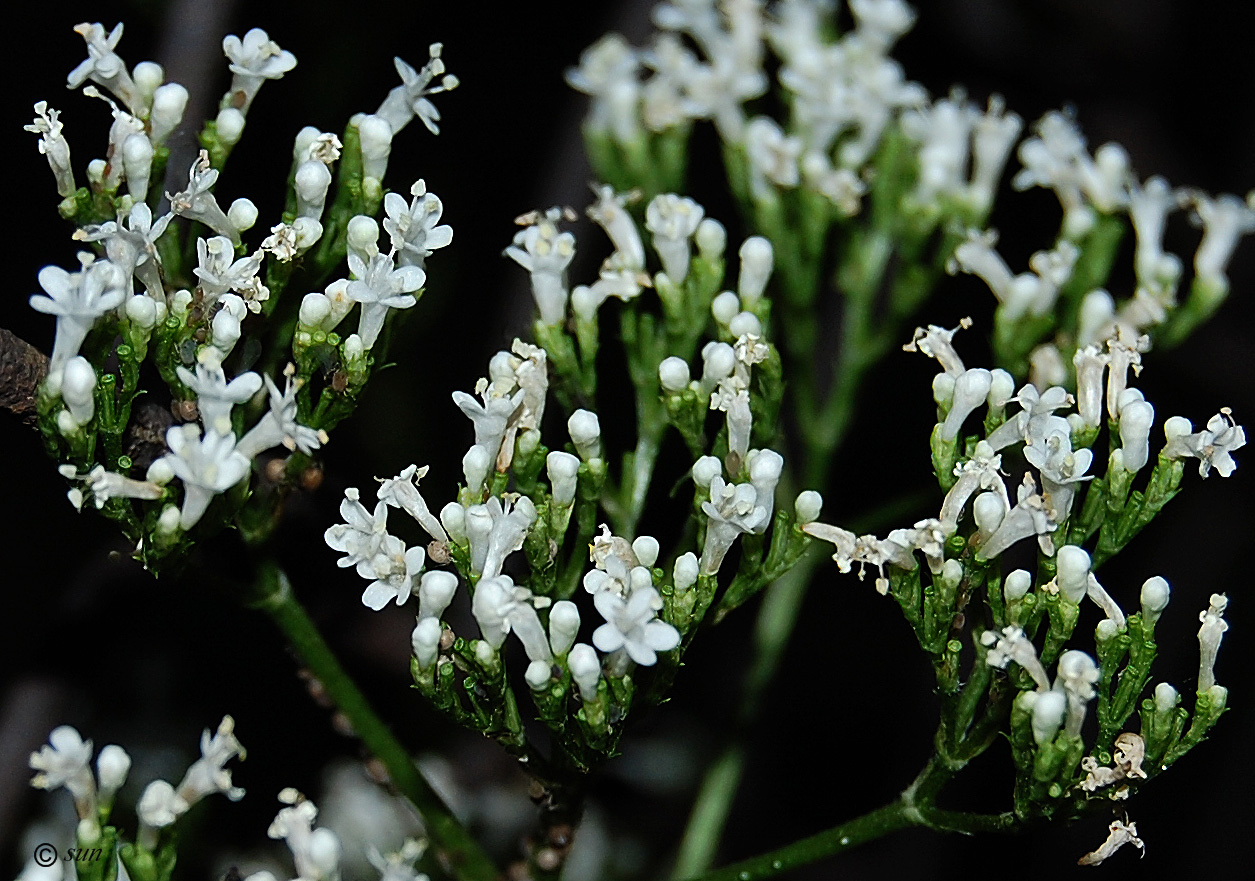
(375, 135)
(208, 774)
(1212, 446)
(732, 397)
(378, 286)
(718, 362)
(425, 641)
(1104, 601)
(993, 136)
(410, 99)
(611, 214)
(207, 465)
(1224, 219)
(510, 525)
(66, 761)
(733, 510)
(971, 388)
(499, 607)
(1013, 645)
(538, 675)
(77, 300)
(105, 67)
(1149, 207)
(937, 343)
(633, 625)
(160, 806)
(413, 227)
(197, 201)
(1048, 710)
(1096, 320)
(112, 766)
(1119, 834)
(53, 144)
(278, 426)
(1209, 636)
(608, 72)
(672, 220)
(402, 492)
(564, 626)
(254, 60)
(214, 395)
(315, 852)
(1090, 365)
(545, 252)
(646, 549)
(490, 418)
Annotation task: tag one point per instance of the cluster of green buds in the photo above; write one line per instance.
(182, 354)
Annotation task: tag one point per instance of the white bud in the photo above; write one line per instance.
(226, 331)
(646, 549)
(362, 233)
(304, 140)
(376, 140)
(564, 626)
(1155, 596)
(673, 374)
(137, 162)
(808, 506)
(475, 466)
(311, 183)
(148, 75)
(1177, 426)
(322, 850)
(1073, 566)
(230, 126)
(141, 310)
(711, 239)
(718, 362)
(1166, 698)
(988, 511)
(168, 520)
(745, 323)
(1048, 713)
(943, 389)
(756, 266)
(585, 669)
(585, 431)
(686, 570)
(1136, 418)
(725, 307)
(112, 766)
(584, 303)
(706, 469)
(538, 675)
(78, 386)
(315, 309)
(435, 591)
(242, 214)
(1016, 585)
(453, 519)
(1106, 629)
(169, 102)
(563, 470)
(354, 350)
(1001, 388)
(308, 232)
(96, 171)
(160, 472)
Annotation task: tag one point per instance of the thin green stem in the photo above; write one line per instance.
(273, 595)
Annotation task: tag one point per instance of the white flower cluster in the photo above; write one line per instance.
(66, 759)
(1057, 447)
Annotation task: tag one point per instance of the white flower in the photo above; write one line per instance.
(207, 465)
(545, 252)
(66, 761)
(208, 774)
(197, 202)
(1224, 219)
(672, 220)
(1013, 645)
(214, 395)
(936, 343)
(1029, 517)
(1077, 676)
(409, 99)
(1212, 446)
(160, 806)
(315, 852)
(609, 72)
(254, 60)
(773, 157)
(379, 286)
(402, 492)
(278, 425)
(611, 214)
(77, 300)
(1119, 835)
(435, 592)
(508, 526)
(394, 570)
(105, 67)
(399, 866)
(733, 510)
(413, 228)
(53, 144)
(633, 625)
(1209, 636)
(361, 536)
(219, 271)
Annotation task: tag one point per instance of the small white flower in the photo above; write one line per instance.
(1119, 835)
(733, 510)
(208, 774)
(380, 285)
(198, 202)
(545, 252)
(1209, 636)
(361, 536)
(611, 214)
(254, 60)
(219, 272)
(66, 761)
(413, 227)
(633, 625)
(278, 425)
(77, 300)
(53, 144)
(315, 852)
(410, 99)
(207, 465)
(402, 492)
(214, 395)
(1212, 446)
(500, 607)
(160, 806)
(394, 570)
(672, 220)
(105, 67)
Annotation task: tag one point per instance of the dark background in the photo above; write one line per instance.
(90, 640)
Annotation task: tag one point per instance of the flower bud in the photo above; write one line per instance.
(475, 466)
(242, 214)
(685, 573)
(673, 375)
(756, 266)
(538, 675)
(453, 519)
(808, 506)
(745, 323)
(315, 309)
(585, 670)
(646, 549)
(426, 642)
(1016, 585)
(112, 766)
(725, 307)
(78, 386)
(169, 102)
(711, 239)
(564, 626)
(706, 469)
(376, 139)
(563, 470)
(1155, 596)
(435, 591)
(585, 431)
(230, 126)
(1073, 566)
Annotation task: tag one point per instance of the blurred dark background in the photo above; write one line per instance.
(90, 640)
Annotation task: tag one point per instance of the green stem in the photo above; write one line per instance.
(273, 595)
(896, 815)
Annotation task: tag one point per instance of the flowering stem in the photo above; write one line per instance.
(273, 595)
